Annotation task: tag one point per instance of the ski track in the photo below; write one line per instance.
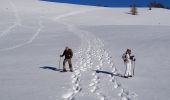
(74, 13)
(91, 51)
(17, 23)
(30, 40)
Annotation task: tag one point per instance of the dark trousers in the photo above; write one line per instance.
(69, 62)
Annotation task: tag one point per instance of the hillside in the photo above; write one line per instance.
(34, 33)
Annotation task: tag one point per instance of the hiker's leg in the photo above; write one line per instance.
(129, 68)
(64, 62)
(126, 71)
(70, 65)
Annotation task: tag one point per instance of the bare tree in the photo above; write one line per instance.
(150, 7)
(134, 10)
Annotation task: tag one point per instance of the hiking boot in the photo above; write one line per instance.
(64, 70)
(71, 70)
(130, 76)
(125, 76)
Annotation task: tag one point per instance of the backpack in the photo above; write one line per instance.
(71, 52)
(124, 57)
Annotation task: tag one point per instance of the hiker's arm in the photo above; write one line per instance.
(62, 54)
(132, 58)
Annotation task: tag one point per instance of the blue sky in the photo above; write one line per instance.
(112, 3)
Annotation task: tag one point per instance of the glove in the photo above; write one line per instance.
(134, 60)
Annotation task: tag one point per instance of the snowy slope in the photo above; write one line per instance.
(34, 33)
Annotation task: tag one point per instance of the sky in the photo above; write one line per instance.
(112, 3)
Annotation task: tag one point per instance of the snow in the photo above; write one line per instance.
(34, 33)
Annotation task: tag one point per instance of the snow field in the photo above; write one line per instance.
(91, 58)
(33, 34)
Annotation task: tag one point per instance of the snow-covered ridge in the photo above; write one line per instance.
(122, 16)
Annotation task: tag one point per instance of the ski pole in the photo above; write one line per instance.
(134, 68)
(59, 63)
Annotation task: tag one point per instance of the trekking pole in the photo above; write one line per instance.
(59, 63)
(134, 67)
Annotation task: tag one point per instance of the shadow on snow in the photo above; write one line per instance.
(109, 73)
(100, 3)
(50, 68)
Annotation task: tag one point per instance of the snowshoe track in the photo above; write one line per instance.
(92, 57)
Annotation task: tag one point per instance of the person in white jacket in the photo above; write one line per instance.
(128, 63)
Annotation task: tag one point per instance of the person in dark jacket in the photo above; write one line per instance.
(68, 53)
